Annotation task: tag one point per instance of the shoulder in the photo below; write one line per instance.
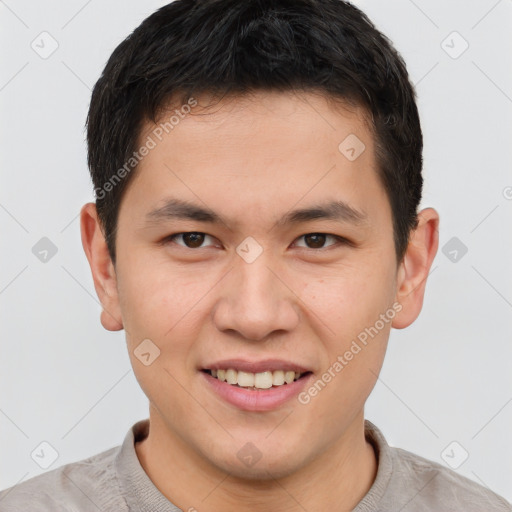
(408, 482)
(436, 487)
(89, 484)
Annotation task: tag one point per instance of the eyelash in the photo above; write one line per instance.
(341, 240)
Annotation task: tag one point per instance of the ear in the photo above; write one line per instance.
(415, 267)
(102, 268)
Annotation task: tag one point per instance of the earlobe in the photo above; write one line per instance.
(415, 267)
(110, 322)
(102, 268)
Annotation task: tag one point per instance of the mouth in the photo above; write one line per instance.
(256, 381)
(256, 386)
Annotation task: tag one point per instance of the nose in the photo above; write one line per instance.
(256, 301)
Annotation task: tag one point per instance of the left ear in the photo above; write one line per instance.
(415, 267)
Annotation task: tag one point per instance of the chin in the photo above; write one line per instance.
(263, 472)
(251, 463)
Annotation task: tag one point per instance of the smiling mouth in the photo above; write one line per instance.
(255, 381)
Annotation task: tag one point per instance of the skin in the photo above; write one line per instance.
(253, 159)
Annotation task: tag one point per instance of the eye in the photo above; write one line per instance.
(190, 240)
(195, 240)
(317, 240)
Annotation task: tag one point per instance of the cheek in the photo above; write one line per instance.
(160, 303)
(164, 307)
(350, 302)
(350, 298)
(355, 344)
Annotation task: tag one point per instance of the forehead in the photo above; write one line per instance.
(268, 147)
(311, 108)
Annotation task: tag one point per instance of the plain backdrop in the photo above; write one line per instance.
(445, 391)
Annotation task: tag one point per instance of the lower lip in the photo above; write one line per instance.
(258, 399)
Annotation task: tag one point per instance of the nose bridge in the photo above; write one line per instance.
(256, 283)
(254, 302)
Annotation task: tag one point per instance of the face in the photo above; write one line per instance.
(290, 267)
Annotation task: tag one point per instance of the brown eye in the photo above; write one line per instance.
(190, 240)
(193, 240)
(321, 241)
(315, 240)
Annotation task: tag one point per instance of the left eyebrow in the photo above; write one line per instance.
(333, 210)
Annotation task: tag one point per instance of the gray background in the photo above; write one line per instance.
(448, 377)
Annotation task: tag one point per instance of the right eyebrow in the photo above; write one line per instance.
(179, 209)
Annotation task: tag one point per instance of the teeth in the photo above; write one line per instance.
(278, 378)
(262, 380)
(231, 376)
(245, 379)
(289, 377)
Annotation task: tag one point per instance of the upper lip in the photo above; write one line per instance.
(256, 366)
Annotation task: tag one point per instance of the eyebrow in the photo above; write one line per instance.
(332, 210)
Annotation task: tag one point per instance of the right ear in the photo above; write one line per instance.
(102, 268)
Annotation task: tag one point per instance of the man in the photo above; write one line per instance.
(257, 170)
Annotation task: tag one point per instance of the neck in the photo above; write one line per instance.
(337, 479)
